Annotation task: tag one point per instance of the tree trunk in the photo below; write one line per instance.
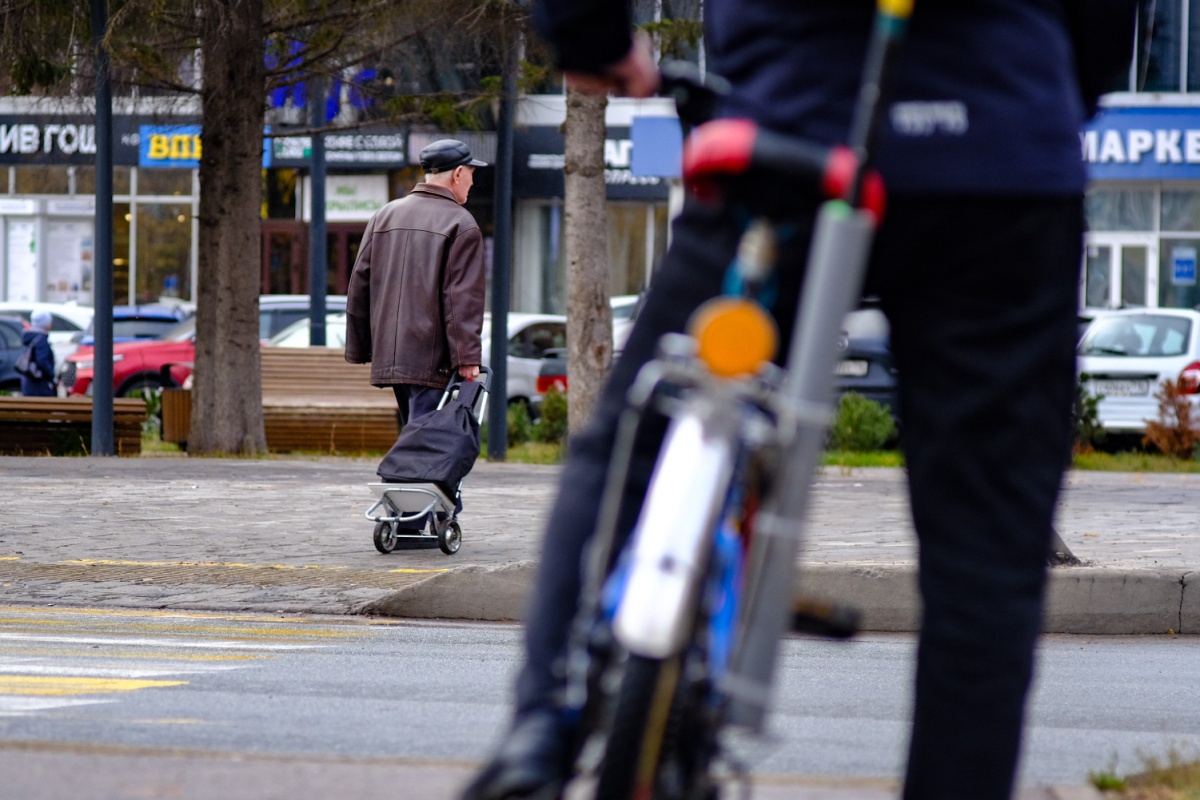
(589, 317)
(227, 397)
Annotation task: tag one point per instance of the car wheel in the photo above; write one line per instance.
(146, 382)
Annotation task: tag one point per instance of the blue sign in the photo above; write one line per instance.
(1143, 144)
(1183, 266)
(177, 146)
(657, 147)
(169, 146)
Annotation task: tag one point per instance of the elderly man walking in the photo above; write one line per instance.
(414, 308)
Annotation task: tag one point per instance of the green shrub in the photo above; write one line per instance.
(552, 422)
(1089, 433)
(152, 425)
(520, 426)
(860, 425)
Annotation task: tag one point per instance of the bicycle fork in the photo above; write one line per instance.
(837, 263)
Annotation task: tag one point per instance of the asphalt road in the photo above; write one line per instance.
(176, 704)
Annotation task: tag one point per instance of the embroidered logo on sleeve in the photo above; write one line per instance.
(929, 117)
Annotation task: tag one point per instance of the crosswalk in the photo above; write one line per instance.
(54, 658)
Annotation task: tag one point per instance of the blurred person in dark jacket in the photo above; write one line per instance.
(976, 265)
(41, 384)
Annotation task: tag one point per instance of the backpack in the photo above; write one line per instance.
(437, 448)
(27, 364)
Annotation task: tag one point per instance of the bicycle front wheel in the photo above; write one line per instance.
(642, 710)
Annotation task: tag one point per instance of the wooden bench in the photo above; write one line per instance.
(314, 400)
(60, 426)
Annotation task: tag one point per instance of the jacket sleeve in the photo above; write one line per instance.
(585, 35)
(358, 303)
(1102, 32)
(464, 285)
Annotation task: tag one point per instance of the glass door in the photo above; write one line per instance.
(1119, 271)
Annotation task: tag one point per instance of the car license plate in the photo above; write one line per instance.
(1119, 388)
(852, 368)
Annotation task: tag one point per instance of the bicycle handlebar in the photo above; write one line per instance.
(738, 156)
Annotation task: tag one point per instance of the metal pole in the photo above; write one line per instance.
(318, 248)
(102, 288)
(502, 263)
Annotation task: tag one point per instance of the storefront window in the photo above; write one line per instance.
(279, 193)
(637, 239)
(1097, 273)
(85, 180)
(1177, 273)
(41, 180)
(122, 221)
(1121, 210)
(164, 181)
(164, 251)
(1180, 211)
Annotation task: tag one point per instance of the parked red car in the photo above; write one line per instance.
(139, 364)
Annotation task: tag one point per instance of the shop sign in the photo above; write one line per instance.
(348, 198)
(384, 149)
(17, 207)
(29, 138)
(1143, 144)
(539, 157)
(174, 146)
(178, 146)
(1183, 266)
(657, 146)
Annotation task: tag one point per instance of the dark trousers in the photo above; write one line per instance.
(981, 297)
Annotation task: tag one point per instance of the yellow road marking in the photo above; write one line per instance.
(20, 651)
(198, 631)
(42, 686)
(231, 564)
(40, 611)
(10, 558)
(411, 570)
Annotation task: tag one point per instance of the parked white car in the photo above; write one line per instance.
(1125, 356)
(529, 337)
(68, 321)
(297, 335)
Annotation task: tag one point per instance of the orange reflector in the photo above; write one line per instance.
(735, 336)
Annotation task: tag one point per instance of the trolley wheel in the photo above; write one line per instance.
(450, 538)
(385, 537)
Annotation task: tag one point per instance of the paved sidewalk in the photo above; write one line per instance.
(289, 535)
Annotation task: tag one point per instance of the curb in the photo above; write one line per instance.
(1081, 600)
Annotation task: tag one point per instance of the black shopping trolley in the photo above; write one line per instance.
(421, 492)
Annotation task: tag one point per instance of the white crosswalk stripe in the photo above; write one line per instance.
(54, 659)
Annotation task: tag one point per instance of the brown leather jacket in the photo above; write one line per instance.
(414, 308)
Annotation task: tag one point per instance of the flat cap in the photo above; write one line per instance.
(447, 154)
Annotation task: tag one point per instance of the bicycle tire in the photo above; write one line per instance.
(639, 722)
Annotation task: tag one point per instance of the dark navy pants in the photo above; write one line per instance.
(981, 297)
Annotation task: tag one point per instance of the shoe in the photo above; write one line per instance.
(531, 764)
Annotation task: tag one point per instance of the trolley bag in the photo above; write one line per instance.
(437, 448)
